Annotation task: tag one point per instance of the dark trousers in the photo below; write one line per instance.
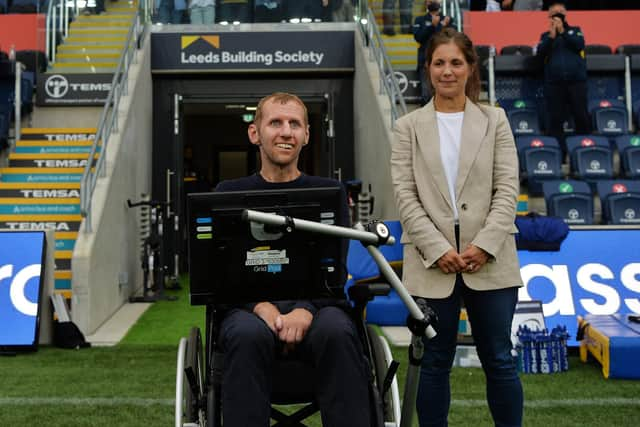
(232, 12)
(565, 99)
(331, 345)
(490, 314)
(406, 15)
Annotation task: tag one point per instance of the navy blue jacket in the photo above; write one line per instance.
(563, 56)
(423, 30)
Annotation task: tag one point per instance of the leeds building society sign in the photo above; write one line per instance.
(263, 51)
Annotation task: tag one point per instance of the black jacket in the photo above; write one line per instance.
(423, 30)
(563, 56)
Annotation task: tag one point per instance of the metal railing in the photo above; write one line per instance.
(388, 81)
(108, 122)
(453, 9)
(57, 25)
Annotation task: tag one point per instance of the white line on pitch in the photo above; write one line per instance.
(558, 403)
(137, 401)
(80, 401)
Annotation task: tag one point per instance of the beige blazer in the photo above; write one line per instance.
(487, 190)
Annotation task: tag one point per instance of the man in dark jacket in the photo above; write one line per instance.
(424, 28)
(565, 73)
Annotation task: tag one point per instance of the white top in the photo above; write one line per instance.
(493, 6)
(450, 130)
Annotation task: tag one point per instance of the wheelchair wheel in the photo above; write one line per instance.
(189, 382)
(382, 358)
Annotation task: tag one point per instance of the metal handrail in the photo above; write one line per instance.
(57, 18)
(388, 81)
(455, 12)
(108, 122)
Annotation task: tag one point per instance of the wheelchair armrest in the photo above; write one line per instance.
(361, 293)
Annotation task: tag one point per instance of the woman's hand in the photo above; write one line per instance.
(451, 262)
(475, 258)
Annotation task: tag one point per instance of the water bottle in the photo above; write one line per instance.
(12, 53)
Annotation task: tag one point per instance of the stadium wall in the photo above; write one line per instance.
(106, 262)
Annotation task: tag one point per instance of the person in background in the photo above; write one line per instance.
(527, 5)
(231, 11)
(254, 336)
(170, 11)
(316, 10)
(424, 28)
(202, 11)
(565, 74)
(454, 171)
(406, 12)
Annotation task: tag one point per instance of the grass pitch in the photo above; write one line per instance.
(133, 384)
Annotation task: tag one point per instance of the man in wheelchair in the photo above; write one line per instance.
(255, 336)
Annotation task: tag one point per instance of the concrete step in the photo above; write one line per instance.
(98, 32)
(40, 190)
(80, 64)
(52, 160)
(90, 49)
(88, 69)
(41, 174)
(87, 41)
(103, 24)
(86, 57)
(58, 134)
(53, 206)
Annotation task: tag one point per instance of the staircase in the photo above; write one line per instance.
(40, 189)
(95, 42)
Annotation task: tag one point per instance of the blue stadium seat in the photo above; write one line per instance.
(4, 6)
(609, 116)
(541, 159)
(570, 200)
(591, 157)
(524, 121)
(628, 147)
(620, 200)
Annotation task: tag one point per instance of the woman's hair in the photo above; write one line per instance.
(450, 35)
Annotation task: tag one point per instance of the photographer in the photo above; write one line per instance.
(565, 73)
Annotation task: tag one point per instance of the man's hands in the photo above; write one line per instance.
(290, 328)
(469, 261)
(556, 26)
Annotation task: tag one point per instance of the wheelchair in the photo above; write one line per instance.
(199, 364)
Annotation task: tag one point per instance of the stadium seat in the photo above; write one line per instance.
(609, 116)
(570, 200)
(524, 120)
(628, 147)
(628, 49)
(597, 49)
(4, 6)
(590, 157)
(540, 159)
(620, 200)
(605, 76)
(516, 49)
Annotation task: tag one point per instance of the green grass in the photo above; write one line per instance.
(133, 384)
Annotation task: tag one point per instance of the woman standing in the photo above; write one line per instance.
(454, 169)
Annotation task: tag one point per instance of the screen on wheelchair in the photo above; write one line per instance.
(233, 261)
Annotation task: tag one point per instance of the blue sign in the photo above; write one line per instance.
(596, 271)
(21, 278)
